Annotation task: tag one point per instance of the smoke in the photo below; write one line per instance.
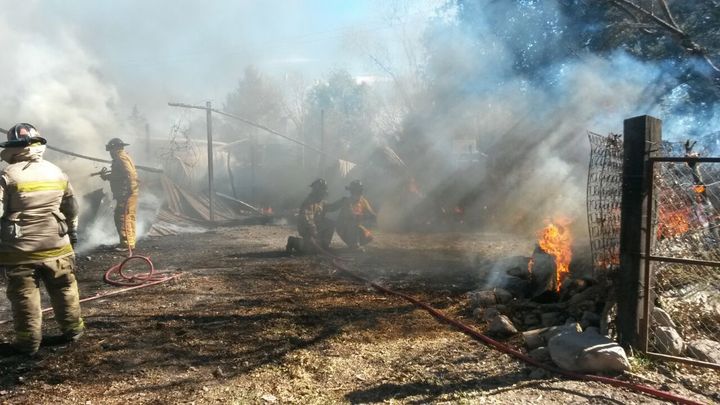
(52, 82)
(530, 131)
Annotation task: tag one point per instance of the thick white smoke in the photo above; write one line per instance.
(52, 82)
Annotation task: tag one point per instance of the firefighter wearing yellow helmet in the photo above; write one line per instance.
(37, 230)
(123, 180)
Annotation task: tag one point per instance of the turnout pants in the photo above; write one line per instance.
(325, 230)
(23, 291)
(354, 234)
(125, 212)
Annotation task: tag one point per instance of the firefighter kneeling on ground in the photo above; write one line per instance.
(123, 180)
(38, 228)
(316, 231)
(355, 212)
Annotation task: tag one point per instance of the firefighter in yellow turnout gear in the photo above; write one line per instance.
(315, 229)
(124, 186)
(38, 227)
(354, 213)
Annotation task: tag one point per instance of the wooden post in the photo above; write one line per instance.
(642, 139)
(211, 188)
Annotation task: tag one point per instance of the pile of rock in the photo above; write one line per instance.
(563, 331)
(665, 339)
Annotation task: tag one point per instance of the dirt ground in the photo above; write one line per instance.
(246, 323)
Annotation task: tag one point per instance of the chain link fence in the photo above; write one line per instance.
(685, 297)
(685, 317)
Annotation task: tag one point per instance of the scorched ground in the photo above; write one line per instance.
(247, 324)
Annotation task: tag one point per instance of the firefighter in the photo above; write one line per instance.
(354, 213)
(124, 186)
(38, 227)
(316, 230)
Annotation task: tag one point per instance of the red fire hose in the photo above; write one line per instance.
(115, 276)
(338, 264)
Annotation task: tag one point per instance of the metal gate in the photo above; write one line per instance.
(681, 300)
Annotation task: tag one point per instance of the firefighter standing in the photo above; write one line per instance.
(124, 186)
(354, 212)
(38, 228)
(316, 230)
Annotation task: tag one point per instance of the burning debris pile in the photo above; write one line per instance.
(565, 317)
(557, 310)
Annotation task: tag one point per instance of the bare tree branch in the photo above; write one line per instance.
(671, 26)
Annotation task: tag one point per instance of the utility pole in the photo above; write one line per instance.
(211, 177)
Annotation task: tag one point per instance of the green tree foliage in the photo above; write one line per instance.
(348, 113)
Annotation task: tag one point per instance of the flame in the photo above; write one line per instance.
(672, 222)
(555, 240)
(699, 188)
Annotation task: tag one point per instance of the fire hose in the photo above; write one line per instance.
(116, 277)
(340, 264)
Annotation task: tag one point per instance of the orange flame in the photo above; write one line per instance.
(555, 241)
(699, 188)
(672, 222)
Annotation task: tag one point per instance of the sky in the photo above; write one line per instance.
(191, 51)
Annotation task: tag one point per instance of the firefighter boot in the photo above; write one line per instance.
(293, 244)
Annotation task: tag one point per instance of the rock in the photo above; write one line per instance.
(559, 330)
(482, 298)
(218, 373)
(704, 350)
(661, 318)
(537, 374)
(541, 354)
(502, 308)
(490, 313)
(539, 337)
(478, 314)
(531, 319)
(589, 318)
(533, 338)
(587, 352)
(503, 296)
(667, 340)
(548, 319)
(501, 326)
(589, 294)
(519, 287)
(592, 329)
(269, 398)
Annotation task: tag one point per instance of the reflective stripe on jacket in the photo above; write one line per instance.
(38, 209)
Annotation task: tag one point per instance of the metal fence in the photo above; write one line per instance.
(681, 307)
(682, 304)
(604, 197)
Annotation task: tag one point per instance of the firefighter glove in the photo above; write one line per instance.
(73, 237)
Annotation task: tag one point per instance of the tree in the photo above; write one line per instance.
(256, 98)
(347, 111)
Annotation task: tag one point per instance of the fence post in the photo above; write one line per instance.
(642, 139)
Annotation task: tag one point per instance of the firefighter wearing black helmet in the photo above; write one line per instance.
(316, 230)
(123, 180)
(38, 230)
(355, 213)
